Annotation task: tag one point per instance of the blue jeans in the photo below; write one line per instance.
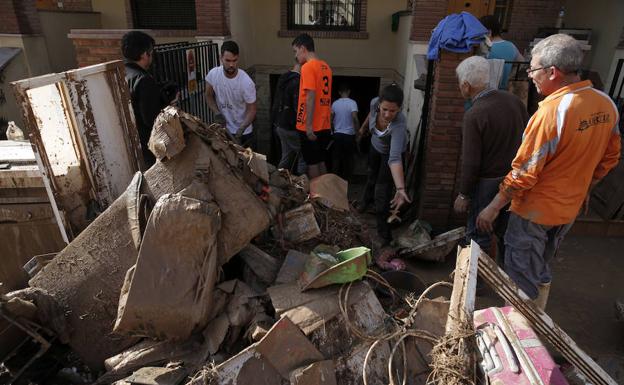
(485, 190)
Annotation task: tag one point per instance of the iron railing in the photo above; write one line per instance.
(175, 62)
(326, 15)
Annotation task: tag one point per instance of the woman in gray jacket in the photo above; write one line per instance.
(388, 129)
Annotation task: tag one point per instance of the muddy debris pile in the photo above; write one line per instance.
(214, 267)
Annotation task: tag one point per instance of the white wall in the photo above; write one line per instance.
(113, 13)
(31, 61)
(606, 19)
(56, 26)
(415, 66)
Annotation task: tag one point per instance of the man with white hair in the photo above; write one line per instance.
(570, 143)
(491, 134)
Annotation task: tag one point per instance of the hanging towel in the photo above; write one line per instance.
(456, 33)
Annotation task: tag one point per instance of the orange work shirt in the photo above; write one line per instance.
(571, 139)
(315, 76)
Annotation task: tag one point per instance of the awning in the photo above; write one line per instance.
(6, 55)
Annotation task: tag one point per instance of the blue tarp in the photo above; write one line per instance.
(456, 33)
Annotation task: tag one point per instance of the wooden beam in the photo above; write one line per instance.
(461, 307)
(464, 290)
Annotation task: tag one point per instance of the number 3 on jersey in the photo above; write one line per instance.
(325, 85)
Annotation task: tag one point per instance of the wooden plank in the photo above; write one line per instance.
(16, 152)
(21, 177)
(262, 264)
(439, 241)
(464, 290)
(287, 348)
(540, 321)
(462, 306)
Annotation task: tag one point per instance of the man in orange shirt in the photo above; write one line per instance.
(569, 145)
(314, 106)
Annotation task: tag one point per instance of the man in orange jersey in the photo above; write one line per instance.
(569, 145)
(314, 105)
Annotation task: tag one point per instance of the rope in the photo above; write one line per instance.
(402, 328)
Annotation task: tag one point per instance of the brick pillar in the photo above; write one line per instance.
(528, 16)
(96, 46)
(19, 17)
(443, 145)
(427, 14)
(213, 17)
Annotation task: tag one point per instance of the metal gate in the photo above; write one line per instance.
(187, 64)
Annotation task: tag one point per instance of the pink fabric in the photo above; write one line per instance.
(546, 368)
(386, 261)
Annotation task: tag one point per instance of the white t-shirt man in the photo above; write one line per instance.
(232, 96)
(343, 118)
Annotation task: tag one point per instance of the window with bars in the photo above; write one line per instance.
(163, 14)
(324, 15)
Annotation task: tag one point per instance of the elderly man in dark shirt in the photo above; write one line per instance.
(491, 134)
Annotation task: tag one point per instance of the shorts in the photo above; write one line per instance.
(315, 152)
(529, 248)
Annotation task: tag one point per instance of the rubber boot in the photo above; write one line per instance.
(542, 295)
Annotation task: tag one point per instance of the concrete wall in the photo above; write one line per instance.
(114, 13)
(243, 29)
(606, 27)
(255, 26)
(415, 67)
(56, 26)
(35, 51)
(31, 61)
(15, 70)
(403, 38)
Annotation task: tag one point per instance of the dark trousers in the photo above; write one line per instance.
(291, 159)
(530, 248)
(379, 186)
(485, 190)
(342, 155)
(249, 140)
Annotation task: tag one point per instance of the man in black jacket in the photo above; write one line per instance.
(138, 48)
(284, 119)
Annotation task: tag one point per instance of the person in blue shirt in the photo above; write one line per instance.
(500, 48)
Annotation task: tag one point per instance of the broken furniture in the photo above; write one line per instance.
(27, 220)
(84, 137)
